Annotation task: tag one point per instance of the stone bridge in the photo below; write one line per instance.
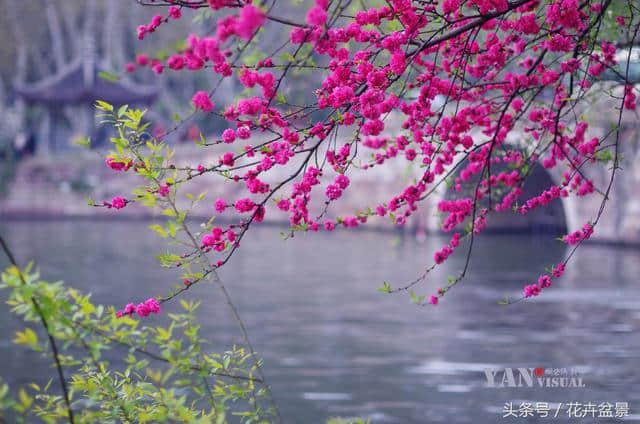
(620, 221)
(55, 187)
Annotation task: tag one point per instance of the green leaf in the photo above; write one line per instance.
(104, 106)
(122, 109)
(287, 57)
(82, 141)
(415, 298)
(25, 399)
(172, 228)
(108, 76)
(386, 288)
(27, 337)
(159, 229)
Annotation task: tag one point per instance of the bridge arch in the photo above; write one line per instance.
(557, 218)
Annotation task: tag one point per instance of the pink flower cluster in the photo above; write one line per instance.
(334, 191)
(243, 25)
(579, 235)
(317, 15)
(244, 205)
(441, 255)
(163, 190)
(266, 80)
(629, 98)
(118, 202)
(202, 101)
(156, 21)
(118, 164)
(544, 281)
(543, 199)
(216, 241)
(458, 210)
(174, 12)
(150, 306)
(220, 205)
(524, 70)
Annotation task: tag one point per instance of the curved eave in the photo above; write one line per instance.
(67, 87)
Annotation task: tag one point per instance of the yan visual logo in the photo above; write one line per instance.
(533, 377)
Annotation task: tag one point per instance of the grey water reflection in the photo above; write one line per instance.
(334, 346)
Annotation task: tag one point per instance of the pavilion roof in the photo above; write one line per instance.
(73, 85)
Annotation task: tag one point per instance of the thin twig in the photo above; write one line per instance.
(45, 324)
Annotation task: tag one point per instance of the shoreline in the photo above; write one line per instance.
(402, 231)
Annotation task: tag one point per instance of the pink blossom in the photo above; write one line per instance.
(142, 59)
(342, 181)
(243, 133)
(579, 235)
(153, 305)
(251, 106)
(176, 62)
(544, 281)
(118, 202)
(142, 31)
(527, 24)
(227, 159)
(398, 63)
(558, 270)
(118, 164)
(531, 290)
(220, 205)
(284, 204)
(251, 18)
(144, 309)
(155, 23)
(244, 205)
(450, 6)
(208, 240)
(333, 191)
(148, 307)
(158, 68)
(216, 4)
(298, 35)
(629, 98)
(228, 135)
(174, 12)
(163, 190)
(202, 101)
(316, 16)
(259, 214)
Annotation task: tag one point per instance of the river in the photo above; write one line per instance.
(334, 346)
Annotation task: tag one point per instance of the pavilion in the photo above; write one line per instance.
(79, 84)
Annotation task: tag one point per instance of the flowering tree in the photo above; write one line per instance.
(463, 77)
(460, 76)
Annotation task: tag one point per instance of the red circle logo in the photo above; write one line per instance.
(539, 372)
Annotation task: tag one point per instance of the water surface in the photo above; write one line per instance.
(334, 346)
